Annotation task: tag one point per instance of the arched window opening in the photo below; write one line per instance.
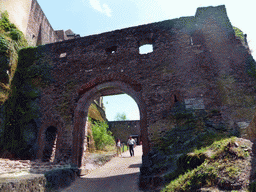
(50, 144)
(111, 50)
(145, 49)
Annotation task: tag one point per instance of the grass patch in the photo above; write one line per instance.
(222, 166)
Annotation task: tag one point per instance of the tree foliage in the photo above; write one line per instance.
(120, 117)
(101, 135)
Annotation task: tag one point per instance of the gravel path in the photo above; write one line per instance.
(119, 174)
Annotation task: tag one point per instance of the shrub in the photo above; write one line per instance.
(239, 33)
(101, 135)
(5, 22)
(15, 34)
(3, 45)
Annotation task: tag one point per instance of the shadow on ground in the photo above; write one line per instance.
(119, 183)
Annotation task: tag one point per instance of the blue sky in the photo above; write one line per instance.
(87, 17)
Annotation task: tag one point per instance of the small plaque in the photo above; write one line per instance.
(194, 103)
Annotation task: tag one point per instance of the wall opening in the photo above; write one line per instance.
(145, 49)
(50, 144)
(123, 116)
(63, 55)
(83, 112)
(111, 50)
(121, 107)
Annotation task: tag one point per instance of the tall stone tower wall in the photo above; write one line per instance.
(18, 12)
(29, 17)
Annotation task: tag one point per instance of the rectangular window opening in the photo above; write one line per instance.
(145, 49)
(111, 50)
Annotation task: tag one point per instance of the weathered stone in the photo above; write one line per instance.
(196, 62)
(32, 182)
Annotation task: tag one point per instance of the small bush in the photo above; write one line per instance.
(101, 135)
(16, 34)
(3, 45)
(239, 33)
(5, 22)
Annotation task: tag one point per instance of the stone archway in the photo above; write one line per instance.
(81, 112)
(50, 121)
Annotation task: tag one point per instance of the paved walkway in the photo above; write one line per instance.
(119, 174)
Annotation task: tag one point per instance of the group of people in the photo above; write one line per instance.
(131, 143)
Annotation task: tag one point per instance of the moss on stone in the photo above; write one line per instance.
(11, 41)
(228, 159)
(94, 113)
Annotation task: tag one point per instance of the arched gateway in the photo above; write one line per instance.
(87, 94)
(195, 60)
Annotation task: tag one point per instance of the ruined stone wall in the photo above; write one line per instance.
(39, 30)
(123, 129)
(195, 60)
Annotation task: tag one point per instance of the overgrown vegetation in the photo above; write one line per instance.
(196, 153)
(239, 34)
(251, 66)
(221, 167)
(21, 108)
(101, 135)
(22, 72)
(11, 41)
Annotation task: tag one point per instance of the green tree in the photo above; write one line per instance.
(120, 117)
(101, 135)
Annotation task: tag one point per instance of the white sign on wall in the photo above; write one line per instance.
(194, 103)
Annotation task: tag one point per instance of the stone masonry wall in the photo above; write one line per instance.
(39, 30)
(123, 129)
(196, 60)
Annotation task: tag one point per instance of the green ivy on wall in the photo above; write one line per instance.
(251, 66)
(20, 68)
(11, 41)
(20, 108)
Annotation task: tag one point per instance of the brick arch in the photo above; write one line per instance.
(81, 112)
(50, 121)
(110, 78)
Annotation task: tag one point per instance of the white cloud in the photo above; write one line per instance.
(103, 9)
(107, 10)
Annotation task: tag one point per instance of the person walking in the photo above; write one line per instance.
(118, 147)
(131, 143)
